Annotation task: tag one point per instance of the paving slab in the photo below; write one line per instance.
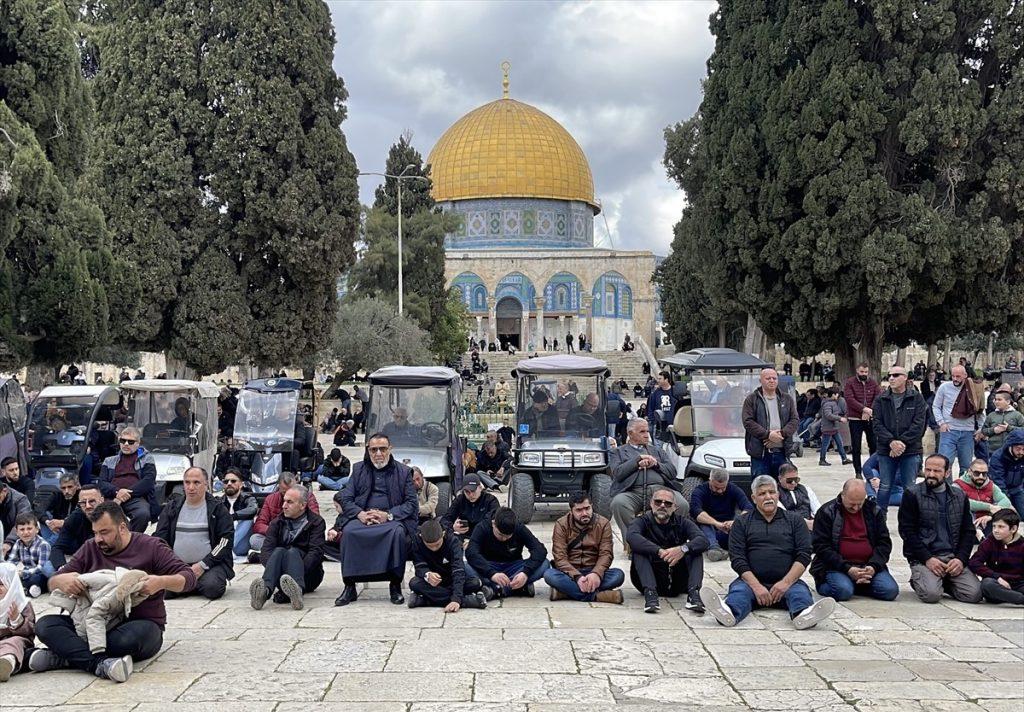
(484, 656)
(998, 690)
(53, 688)
(588, 690)
(734, 636)
(616, 656)
(236, 706)
(943, 670)
(400, 687)
(839, 652)
(682, 658)
(371, 614)
(1009, 672)
(581, 634)
(861, 671)
(612, 617)
(918, 706)
(874, 691)
(794, 700)
(245, 686)
(495, 617)
(335, 655)
(186, 657)
(675, 689)
(774, 678)
(340, 707)
(754, 655)
(158, 686)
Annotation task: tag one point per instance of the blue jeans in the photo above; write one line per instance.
(332, 484)
(48, 535)
(827, 438)
(958, 444)
(804, 428)
(901, 469)
(613, 578)
(243, 528)
(510, 569)
(1016, 496)
(741, 601)
(841, 587)
(767, 465)
(716, 539)
(895, 493)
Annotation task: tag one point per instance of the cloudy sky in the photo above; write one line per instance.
(615, 74)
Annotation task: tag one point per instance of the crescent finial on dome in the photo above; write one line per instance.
(505, 66)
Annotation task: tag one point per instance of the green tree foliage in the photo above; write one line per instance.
(60, 284)
(368, 333)
(415, 192)
(225, 174)
(855, 170)
(448, 333)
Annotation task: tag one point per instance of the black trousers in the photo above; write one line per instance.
(139, 638)
(994, 592)
(647, 572)
(441, 595)
(137, 511)
(857, 429)
(211, 585)
(288, 560)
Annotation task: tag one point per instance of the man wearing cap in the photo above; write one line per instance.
(440, 578)
(471, 507)
(495, 555)
(335, 472)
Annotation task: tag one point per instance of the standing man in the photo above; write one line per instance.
(955, 413)
(495, 555)
(568, 343)
(714, 505)
(292, 553)
(770, 420)
(898, 421)
(242, 508)
(129, 478)
(661, 404)
(860, 392)
(140, 637)
(638, 468)
(379, 516)
(851, 547)
(770, 549)
(938, 536)
(199, 530)
(581, 556)
(667, 554)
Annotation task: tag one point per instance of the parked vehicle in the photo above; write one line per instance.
(13, 416)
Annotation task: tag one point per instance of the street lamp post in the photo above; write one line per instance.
(398, 179)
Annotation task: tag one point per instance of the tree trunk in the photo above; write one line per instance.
(721, 334)
(264, 372)
(846, 361)
(991, 338)
(178, 369)
(947, 357)
(870, 348)
(901, 357)
(754, 340)
(38, 376)
(933, 354)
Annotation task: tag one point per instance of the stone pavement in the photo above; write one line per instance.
(536, 656)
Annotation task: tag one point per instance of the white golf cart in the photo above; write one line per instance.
(178, 420)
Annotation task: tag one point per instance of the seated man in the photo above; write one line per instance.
(426, 494)
(667, 554)
(495, 555)
(379, 514)
(12, 503)
(182, 417)
(138, 638)
(938, 535)
(129, 478)
(198, 528)
(76, 530)
(440, 578)
(999, 560)
(714, 505)
(10, 471)
(581, 556)
(1006, 468)
(335, 471)
(58, 506)
(491, 462)
(541, 417)
(273, 506)
(983, 495)
(587, 419)
(851, 547)
(794, 496)
(469, 508)
(493, 436)
(400, 431)
(292, 553)
(242, 506)
(770, 548)
(638, 468)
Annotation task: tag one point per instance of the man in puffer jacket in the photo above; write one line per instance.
(108, 600)
(1006, 468)
(129, 478)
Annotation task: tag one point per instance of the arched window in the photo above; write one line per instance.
(562, 298)
(609, 300)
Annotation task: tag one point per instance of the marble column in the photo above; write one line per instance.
(562, 332)
(492, 321)
(524, 328)
(479, 328)
(538, 338)
(587, 318)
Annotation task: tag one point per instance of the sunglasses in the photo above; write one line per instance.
(896, 375)
(126, 441)
(231, 482)
(378, 449)
(663, 502)
(975, 473)
(792, 479)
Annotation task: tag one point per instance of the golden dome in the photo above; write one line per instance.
(508, 149)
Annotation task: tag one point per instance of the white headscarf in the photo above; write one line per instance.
(15, 593)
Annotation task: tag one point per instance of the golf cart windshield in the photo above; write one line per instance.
(717, 401)
(548, 406)
(57, 427)
(176, 422)
(266, 420)
(411, 416)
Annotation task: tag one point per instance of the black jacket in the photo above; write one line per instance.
(404, 503)
(446, 562)
(57, 506)
(473, 513)
(336, 472)
(221, 528)
(828, 526)
(309, 540)
(918, 511)
(756, 422)
(14, 503)
(646, 535)
(246, 506)
(906, 424)
(76, 531)
(484, 548)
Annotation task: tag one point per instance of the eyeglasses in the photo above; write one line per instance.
(126, 441)
(896, 375)
(793, 480)
(663, 502)
(231, 482)
(383, 448)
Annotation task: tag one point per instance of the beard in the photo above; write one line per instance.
(662, 515)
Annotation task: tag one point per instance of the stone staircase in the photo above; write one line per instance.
(627, 365)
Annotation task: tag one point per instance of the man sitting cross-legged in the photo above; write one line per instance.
(495, 555)
(770, 549)
(292, 553)
(581, 556)
(714, 505)
(440, 578)
(667, 554)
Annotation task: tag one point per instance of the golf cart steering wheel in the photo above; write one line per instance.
(433, 431)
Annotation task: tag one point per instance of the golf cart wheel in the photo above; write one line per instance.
(444, 499)
(689, 485)
(521, 493)
(600, 494)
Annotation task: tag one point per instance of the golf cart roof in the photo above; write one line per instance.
(711, 359)
(79, 392)
(273, 385)
(413, 376)
(204, 388)
(554, 365)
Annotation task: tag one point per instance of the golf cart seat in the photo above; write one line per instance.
(682, 424)
(153, 431)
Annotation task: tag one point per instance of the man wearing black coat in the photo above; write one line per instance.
(471, 507)
(77, 528)
(440, 578)
(495, 555)
(899, 419)
(292, 553)
(851, 546)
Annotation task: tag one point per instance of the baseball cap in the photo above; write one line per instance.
(471, 481)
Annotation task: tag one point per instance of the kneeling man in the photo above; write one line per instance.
(440, 578)
(581, 556)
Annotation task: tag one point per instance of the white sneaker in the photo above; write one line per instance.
(716, 607)
(34, 591)
(241, 559)
(814, 613)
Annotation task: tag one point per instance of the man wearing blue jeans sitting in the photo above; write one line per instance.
(714, 505)
(581, 556)
(769, 423)
(955, 415)
(872, 481)
(851, 547)
(770, 549)
(242, 507)
(495, 556)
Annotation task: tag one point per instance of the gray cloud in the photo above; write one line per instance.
(614, 74)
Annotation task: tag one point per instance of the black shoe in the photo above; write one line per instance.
(415, 600)
(474, 600)
(396, 594)
(693, 602)
(847, 462)
(253, 557)
(490, 593)
(824, 464)
(651, 603)
(347, 596)
(529, 591)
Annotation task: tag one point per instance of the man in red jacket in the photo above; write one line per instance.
(273, 506)
(859, 392)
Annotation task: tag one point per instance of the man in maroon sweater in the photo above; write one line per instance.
(860, 392)
(999, 560)
(137, 638)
